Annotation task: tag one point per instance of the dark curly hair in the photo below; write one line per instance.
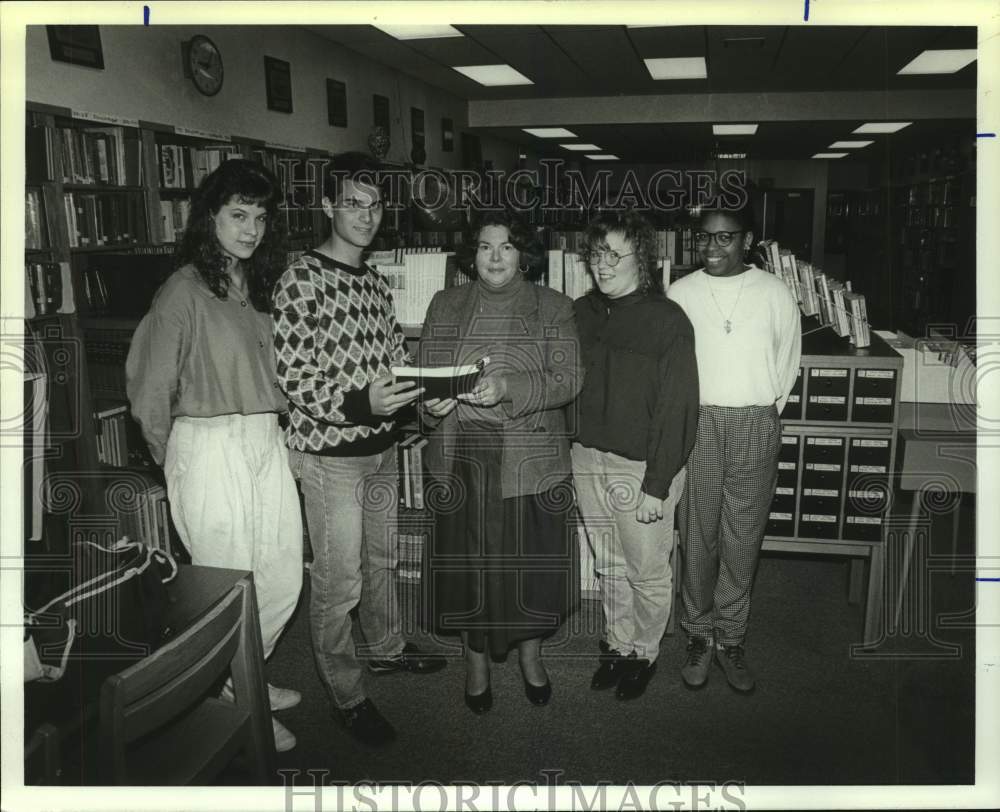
(522, 236)
(639, 233)
(251, 183)
(743, 215)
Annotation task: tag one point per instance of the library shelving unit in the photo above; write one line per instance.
(837, 457)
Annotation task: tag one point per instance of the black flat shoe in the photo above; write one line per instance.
(480, 703)
(538, 694)
(637, 675)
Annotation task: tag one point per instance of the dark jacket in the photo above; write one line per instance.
(640, 397)
(548, 376)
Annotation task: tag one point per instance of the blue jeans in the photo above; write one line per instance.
(351, 514)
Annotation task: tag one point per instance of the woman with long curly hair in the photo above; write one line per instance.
(201, 380)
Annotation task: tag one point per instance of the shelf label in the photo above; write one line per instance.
(883, 374)
(828, 373)
(201, 133)
(869, 443)
(822, 466)
(837, 441)
(820, 492)
(819, 517)
(873, 401)
(839, 399)
(781, 517)
(101, 118)
(285, 147)
(864, 520)
(868, 469)
(786, 466)
(785, 491)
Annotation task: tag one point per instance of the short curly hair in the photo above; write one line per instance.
(251, 183)
(639, 233)
(522, 236)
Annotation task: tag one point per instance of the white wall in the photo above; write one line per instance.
(143, 79)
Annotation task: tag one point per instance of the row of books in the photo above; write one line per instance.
(411, 553)
(112, 435)
(673, 244)
(413, 281)
(149, 522)
(436, 239)
(98, 155)
(108, 218)
(831, 301)
(186, 167)
(410, 459)
(35, 233)
(173, 218)
(48, 289)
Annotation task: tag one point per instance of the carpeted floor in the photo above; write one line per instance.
(904, 715)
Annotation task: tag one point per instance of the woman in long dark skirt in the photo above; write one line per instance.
(501, 558)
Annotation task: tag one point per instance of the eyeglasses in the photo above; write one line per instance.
(722, 238)
(611, 258)
(353, 204)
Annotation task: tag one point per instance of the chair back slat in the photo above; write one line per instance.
(154, 709)
(183, 652)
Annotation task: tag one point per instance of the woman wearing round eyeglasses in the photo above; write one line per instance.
(748, 339)
(637, 419)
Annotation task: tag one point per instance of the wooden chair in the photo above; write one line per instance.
(158, 726)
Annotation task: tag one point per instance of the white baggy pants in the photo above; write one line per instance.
(234, 503)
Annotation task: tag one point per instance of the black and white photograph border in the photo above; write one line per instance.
(939, 771)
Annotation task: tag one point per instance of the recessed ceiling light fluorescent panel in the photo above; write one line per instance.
(494, 75)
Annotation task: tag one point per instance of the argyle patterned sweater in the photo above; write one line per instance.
(335, 332)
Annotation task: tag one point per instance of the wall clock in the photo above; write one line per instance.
(204, 64)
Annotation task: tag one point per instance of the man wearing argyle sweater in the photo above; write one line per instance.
(336, 339)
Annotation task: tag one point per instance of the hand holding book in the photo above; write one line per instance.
(441, 383)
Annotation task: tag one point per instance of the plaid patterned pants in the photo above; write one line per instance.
(731, 475)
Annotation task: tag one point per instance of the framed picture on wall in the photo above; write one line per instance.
(447, 135)
(336, 103)
(76, 44)
(380, 111)
(278, 81)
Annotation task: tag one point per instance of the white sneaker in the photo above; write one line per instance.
(282, 698)
(284, 739)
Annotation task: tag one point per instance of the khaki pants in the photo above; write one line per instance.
(633, 559)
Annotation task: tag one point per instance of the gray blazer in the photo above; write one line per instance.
(547, 375)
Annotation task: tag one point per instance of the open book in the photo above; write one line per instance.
(442, 382)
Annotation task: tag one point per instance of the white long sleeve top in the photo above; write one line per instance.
(756, 362)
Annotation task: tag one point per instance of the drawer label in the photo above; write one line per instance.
(828, 373)
(793, 399)
(783, 517)
(786, 466)
(822, 466)
(882, 374)
(786, 440)
(828, 399)
(870, 443)
(821, 492)
(864, 520)
(866, 494)
(819, 517)
(836, 441)
(785, 491)
(868, 469)
(873, 401)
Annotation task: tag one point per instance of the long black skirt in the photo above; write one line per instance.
(500, 570)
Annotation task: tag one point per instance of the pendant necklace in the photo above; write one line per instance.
(727, 321)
